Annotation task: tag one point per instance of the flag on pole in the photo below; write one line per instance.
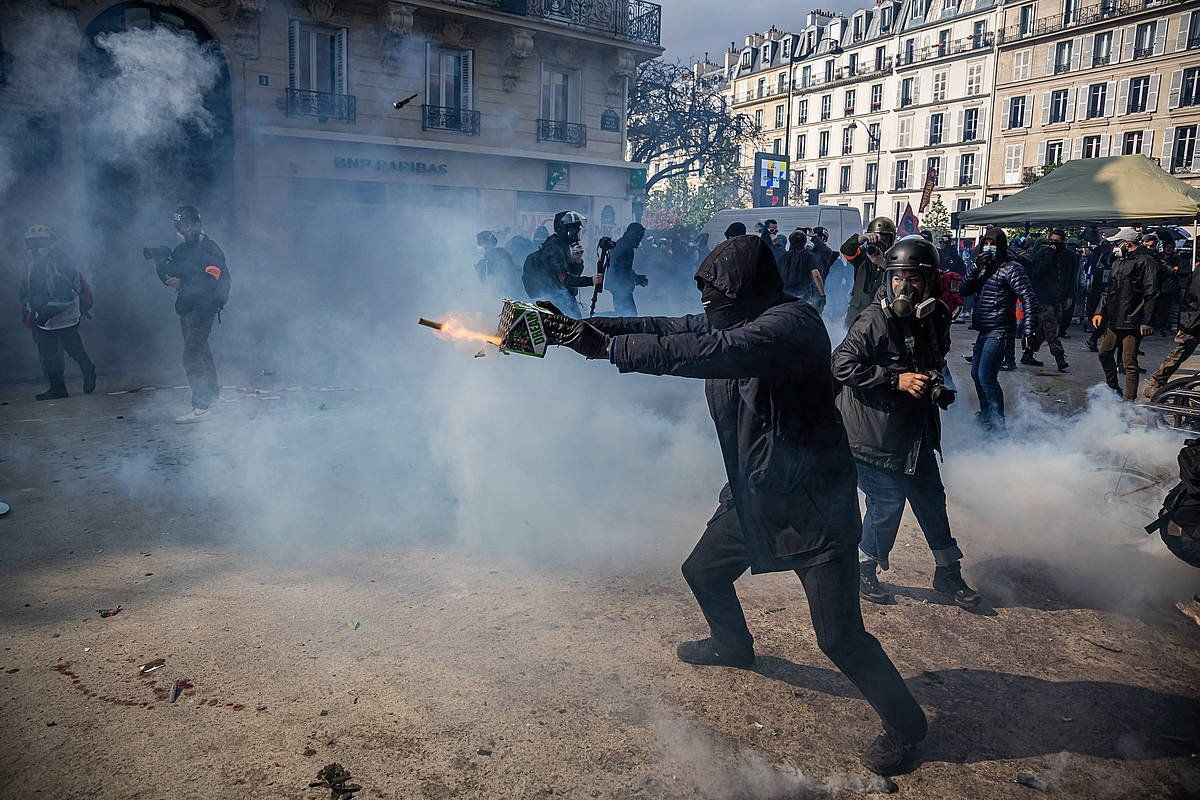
(908, 223)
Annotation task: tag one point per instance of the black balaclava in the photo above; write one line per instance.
(634, 234)
(735, 229)
(738, 281)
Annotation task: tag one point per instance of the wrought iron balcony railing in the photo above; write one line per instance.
(322, 105)
(1108, 9)
(550, 130)
(459, 120)
(635, 20)
(967, 44)
(1142, 52)
(845, 75)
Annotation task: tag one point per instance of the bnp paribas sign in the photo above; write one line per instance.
(387, 165)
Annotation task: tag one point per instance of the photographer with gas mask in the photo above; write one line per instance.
(866, 253)
(998, 282)
(890, 367)
(196, 270)
(551, 272)
(790, 501)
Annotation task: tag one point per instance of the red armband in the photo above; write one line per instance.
(213, 271)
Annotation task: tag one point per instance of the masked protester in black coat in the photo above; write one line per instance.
(800, 272)
(620, 279)
(790, 503)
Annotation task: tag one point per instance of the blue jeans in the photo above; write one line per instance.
(886, 491)
(990, 347)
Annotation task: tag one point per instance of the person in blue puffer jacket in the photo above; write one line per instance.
(998, 282)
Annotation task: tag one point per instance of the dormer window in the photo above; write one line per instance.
(787, 47)
(885, 18)
(766, 53)
(746, 56)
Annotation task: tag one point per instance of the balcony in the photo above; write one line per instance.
(1060, 68)
(322, 105)
(549, 130)
(1029, 175)
(967, 44)
(458, 120)
(1086, 16)
(1142, 52)
(1193, 42)
(634, 20)
(844, 75)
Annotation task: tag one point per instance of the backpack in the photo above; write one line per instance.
(1178, 524)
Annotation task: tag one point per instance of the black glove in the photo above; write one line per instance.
(641, 280)
(576, 334)
(553, 309)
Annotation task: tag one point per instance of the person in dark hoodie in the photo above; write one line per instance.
(791, 502)
(620, 279)
(801, 272)
(890, 366)
(1046, 277)
(549, 273)
(998, 281)
(735, 229)
(1126, 307)
(496, 270)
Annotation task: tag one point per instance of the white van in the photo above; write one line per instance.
(840, 221)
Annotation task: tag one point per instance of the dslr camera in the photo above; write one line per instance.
(156, 253)
(941, 394)
(606, 243)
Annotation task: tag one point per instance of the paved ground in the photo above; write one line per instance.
(431, 668)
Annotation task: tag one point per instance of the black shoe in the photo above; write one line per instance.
(886, 755)
(868, 585)
(1031, 361)
(1091, 345)
(56, 392)
(968, 359)
(89, 381)
(707, 652)
(1063, 366)
(1008, 367)
(949, 580)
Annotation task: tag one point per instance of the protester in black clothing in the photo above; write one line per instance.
(1186, 339)
(1168, 280)
(791, 502)
(620, 279)
(1098, 268)
(950, 259)
(1047, 276)
(497, 270)
(826, 258)
(1072, 289)
(769, 231)
(702, 248)
(1127, 308)
(735, 229)
(54, 298)
(196, 270)
(801, 276)
(891, 366)
(550, 274)
(866, 251)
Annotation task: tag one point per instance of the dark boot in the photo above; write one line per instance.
(886, 755)
(868, 584)
(57, 391)
(949, 580)
(708, 652)
(89, 381)
(1027, 358)
(1063, 366)
(1092, 345)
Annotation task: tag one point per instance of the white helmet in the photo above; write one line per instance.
(39, 232)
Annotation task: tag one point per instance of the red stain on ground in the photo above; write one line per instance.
(161, 694)
(309, 752)
(11, 671)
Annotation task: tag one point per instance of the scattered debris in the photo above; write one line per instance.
(150, 666)
(483, 751)
(323, 713)
(774, 610)
(176, 690)
(50, 723)
(1103, 646)
(758, 726)
(261, 708)
(266, 373)
(352, 624)
(108, 612)
(336, 779)
(1032, 781)
(321, 407)
(882, 785)
(55, 635)
(309, 752)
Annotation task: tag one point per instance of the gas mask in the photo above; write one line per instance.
(909, 301)
(722, 311)
(573, 232)
(38, 248)
(186, 233)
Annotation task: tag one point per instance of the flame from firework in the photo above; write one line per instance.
(453, 329)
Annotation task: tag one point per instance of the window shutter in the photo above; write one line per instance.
(1110, 98)
(1046, 108)
(1148, 143)
(899, 92)
(1041, 158)
(1027, 115)
(928, 124)
(467, 65)
(1122, 96)
(1072, 99)
(1089, 42)
(1160, 37)
(1075, 53)
(916, 89)
(954, 165)
(1181, 36)
(293, 55)
(1152, 95)
(1076, 148)
(956, 131)
(1127, 46)
(340, 55)
(1168, 148)
(1105, 145)
(1049, 59)
(1176, 89)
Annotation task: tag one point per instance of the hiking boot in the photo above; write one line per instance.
(89, 381)
(1063, 366)
(868, 585)
(1152, 388)
(1028, 359)
(949, 580)
(195, 415)
(886, 754)
(57, 391)
(708, 653)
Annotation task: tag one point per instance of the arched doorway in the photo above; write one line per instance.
(156, 132)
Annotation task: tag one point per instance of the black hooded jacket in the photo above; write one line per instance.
(203, 276)
(888, 428)
(999, 282)
(1128, 299)
(620, 277)
(770, 392)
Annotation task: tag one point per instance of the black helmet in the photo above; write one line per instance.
(564, 219)
(912, 253)
(186, 214)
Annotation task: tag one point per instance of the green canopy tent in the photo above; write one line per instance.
(1097, 191)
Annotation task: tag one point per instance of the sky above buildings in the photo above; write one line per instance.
(692, 27)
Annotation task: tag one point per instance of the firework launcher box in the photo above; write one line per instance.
(521, 329)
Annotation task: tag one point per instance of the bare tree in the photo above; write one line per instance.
(682, 124)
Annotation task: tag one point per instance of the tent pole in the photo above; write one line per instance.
(1195, 224)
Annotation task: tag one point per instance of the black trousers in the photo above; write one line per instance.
(51, 344)
(623, 303)
(720, 558)
(197, 357)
